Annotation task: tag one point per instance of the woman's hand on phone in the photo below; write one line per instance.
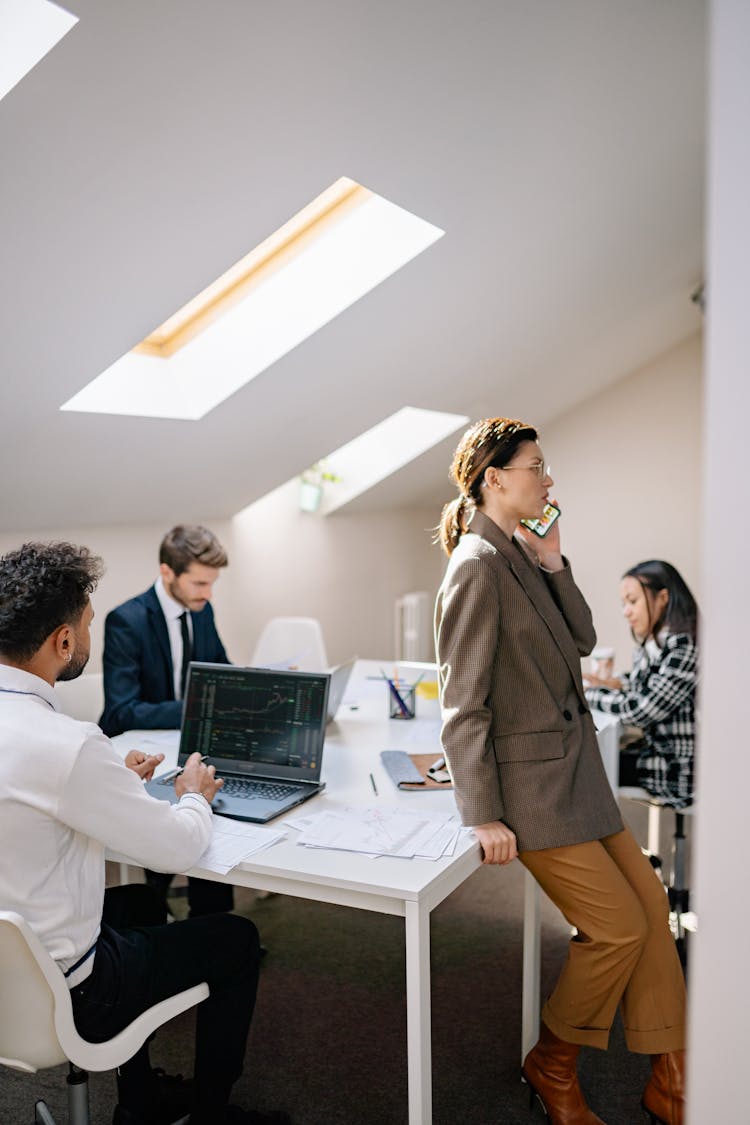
(546, 549)
(497, 841)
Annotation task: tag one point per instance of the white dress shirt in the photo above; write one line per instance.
(65, 796)
(173, 611)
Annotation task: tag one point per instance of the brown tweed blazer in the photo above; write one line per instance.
(517, 731)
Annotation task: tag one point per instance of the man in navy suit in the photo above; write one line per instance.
(148, 644)
(144, 650)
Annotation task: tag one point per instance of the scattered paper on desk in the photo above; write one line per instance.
(378, 831)
(233, 841)
(299, 822)
(442, 843)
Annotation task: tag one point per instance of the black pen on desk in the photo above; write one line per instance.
(178, 770)
(374, 786)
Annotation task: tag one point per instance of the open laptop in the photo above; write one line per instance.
(339, 674)
(262, 729)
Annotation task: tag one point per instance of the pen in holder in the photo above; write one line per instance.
(401, 700)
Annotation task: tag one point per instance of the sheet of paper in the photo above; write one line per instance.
(233, 841)
(378, 831)
(299, 822)
(442, 842)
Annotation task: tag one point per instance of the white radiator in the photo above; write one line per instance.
(413, 627)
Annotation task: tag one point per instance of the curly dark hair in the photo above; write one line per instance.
(43, 586)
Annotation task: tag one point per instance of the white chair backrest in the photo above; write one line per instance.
(292, 642)
(28, 1039)
(36, 1015)
(82, 698)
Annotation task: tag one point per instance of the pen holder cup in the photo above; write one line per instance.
(401, 702)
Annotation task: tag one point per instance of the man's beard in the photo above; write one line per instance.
(73, 670)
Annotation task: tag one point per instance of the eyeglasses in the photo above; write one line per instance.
(541, 469)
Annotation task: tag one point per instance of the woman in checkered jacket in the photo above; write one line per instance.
(658, 694)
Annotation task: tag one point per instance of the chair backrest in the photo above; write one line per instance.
(28, 1038)
(292, 642)
(36, 1015)
(82, 698)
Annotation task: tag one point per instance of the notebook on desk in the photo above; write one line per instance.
(262, 729)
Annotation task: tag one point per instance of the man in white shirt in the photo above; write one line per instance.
(149, 642)
(66, 796)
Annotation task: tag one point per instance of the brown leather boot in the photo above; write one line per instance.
(550, 1071)
(664, 1096)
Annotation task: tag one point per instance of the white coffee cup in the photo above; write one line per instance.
(603, 662)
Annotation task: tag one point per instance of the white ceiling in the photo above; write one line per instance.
(559, 144)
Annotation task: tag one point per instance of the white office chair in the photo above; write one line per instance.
(82, 698)
(295, 642)
(36, 1019)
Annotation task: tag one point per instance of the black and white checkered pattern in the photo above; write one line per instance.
(659, 696)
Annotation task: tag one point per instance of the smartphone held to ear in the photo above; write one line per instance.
(541, 526)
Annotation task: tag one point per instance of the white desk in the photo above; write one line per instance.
(608, 732)
(410, 889)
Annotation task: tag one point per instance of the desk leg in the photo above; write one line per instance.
(130, 874)
(653, 843)
(418, 1021)
(532, 950)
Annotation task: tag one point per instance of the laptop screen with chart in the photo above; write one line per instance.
(262, 729)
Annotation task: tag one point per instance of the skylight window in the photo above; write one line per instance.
(387, 447)
(330, 254)
(31, 28)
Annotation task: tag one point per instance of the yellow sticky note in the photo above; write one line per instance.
(428, 690)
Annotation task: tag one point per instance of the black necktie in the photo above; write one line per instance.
(187, 651)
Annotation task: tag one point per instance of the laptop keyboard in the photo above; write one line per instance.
(268, 790)
(248, 789)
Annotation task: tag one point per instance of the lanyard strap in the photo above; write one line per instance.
(80, 961)
(14, 691)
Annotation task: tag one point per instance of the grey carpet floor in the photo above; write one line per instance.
(328, 1041)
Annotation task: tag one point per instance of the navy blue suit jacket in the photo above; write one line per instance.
(138, 674)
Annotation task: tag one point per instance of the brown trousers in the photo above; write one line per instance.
(623, 953)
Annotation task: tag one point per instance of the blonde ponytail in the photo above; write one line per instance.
(491, 441)
(454, 522)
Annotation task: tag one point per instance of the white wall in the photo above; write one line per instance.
(131, 558)
(345, 570)
(627, 471)
(720, 992)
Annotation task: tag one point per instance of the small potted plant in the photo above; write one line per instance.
(311, 484)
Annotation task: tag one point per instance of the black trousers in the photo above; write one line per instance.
(204, 895)
(141, 960)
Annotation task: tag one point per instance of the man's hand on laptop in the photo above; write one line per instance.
(143, 764)
(197, 778)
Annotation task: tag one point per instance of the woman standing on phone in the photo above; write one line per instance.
(658, 694)
(511, 627)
